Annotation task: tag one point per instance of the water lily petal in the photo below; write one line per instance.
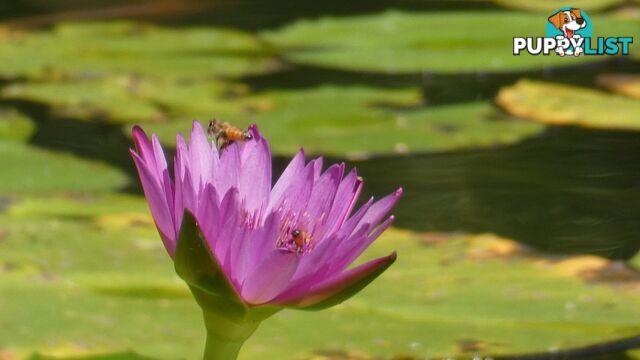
(268, 279)
(144, 147)
(200, 157)
(381, 208)
(321, 198)
(289, 176)
(349, 251)
(157, 203)
(255, 176)
(345, 199)
(229, 169)
(342, 286)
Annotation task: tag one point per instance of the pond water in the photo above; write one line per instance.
(570, 190)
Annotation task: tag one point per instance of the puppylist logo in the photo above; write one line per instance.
(569, 33)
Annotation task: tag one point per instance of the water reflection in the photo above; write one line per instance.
(569, 191)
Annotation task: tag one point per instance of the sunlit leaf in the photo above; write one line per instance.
(14, 125)
(88, 50)
(132, 99)
(547, 7)
(569, 105)
(624, 84)
(359, 121)
(66, 281)
(400, 42)
(29, 169)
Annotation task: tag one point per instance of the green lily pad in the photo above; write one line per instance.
(548, 7)
(31, 169)
(114, 99)
(14, 125)
(131, 99)
(569, 105)
(68, 284)
(635, 262)
(99, 207)
(398, 42)
(623, 84)
(358, 121)
(103, 48)
(117, 356)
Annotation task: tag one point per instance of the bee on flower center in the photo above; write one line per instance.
(300, 238)
(227, 133)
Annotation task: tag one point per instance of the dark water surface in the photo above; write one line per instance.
(571, 190)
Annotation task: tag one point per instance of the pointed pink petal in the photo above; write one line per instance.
(266, 237)
(381, 208)
(143, 146)
(288, 177)
(157, 203)
(166, 183)
(229, 226)
(200, 157)
(349, 251)
(346, 197)
(317, 167)
(208, 215)
(255, 177)
(239, 254)
(229, 169)
(342, 286)
(324, 191)
(268, 279)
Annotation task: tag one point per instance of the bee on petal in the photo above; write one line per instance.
(300, 239)
(225, 134)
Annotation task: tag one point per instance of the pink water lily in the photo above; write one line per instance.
(289, 245)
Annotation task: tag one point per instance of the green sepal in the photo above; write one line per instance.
(196, 265)
(228, 319)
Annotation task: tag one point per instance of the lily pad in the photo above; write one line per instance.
(14, 125)
(132, 99)
(114, 99)
(569, 105)
(103, 48)
(31, 169)
(624, 84)
(635, 262)
(400, 42)
(66, 281)
(548, 7)
(359, 121)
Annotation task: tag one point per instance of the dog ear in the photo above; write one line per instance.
(556, 20)
(577, 12)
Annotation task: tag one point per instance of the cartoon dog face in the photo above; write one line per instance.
(568, 21)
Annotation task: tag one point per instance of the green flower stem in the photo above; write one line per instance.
(225, 337)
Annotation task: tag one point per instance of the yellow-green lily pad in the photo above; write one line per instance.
(66, 281)
(360, 121)
(549, 6)
(569, 105)
(402, 42)
(132, 99)
(624, 84)
(29, 169)
(635, 261)
(90, 49)
(114, 99)
(15, 125)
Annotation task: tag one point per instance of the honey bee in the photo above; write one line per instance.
(300, 238)
(226, 132)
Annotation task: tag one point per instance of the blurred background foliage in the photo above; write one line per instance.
(520, 224)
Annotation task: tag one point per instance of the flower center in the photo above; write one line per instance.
(295, 240)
